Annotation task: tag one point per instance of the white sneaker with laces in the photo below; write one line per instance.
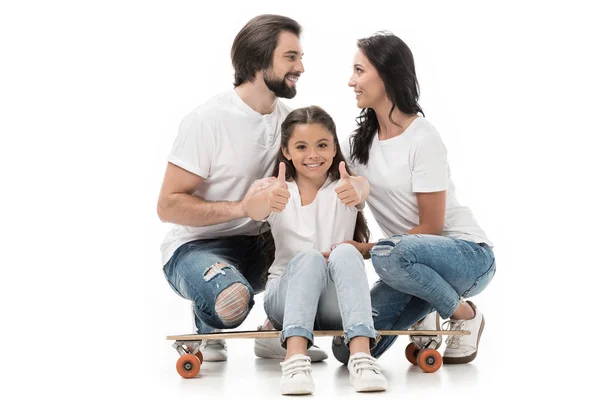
(214, 350)
(365, 373)
(461, 349)
(431, 322)
(271, 348)
(296, 375)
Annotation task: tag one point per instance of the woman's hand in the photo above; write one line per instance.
(363, 248)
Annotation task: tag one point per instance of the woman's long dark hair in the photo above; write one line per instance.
(316, 115)
(394, 63)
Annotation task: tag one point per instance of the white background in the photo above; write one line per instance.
(92, 93)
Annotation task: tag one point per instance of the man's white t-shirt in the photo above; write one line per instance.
(318, 225)
(230, 145)
(399, 168)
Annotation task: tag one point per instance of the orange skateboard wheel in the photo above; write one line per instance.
(200, 356)
(411, 353)
(188, 366)
(429, 360)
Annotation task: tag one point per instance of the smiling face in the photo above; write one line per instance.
(366, 82)
(282, 76)
(311, 150)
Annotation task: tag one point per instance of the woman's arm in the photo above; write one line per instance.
(432, 213)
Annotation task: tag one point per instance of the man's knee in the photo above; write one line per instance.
(233, 305)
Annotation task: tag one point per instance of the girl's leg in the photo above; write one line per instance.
(347, 298)
(348, 295)
(291, 302)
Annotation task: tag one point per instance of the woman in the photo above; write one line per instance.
(436, 255)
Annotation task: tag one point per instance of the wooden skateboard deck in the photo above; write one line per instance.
(188, 347)
(276, 334)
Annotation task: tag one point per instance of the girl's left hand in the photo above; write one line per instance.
(350, 189)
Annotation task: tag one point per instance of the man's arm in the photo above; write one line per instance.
(177, 205)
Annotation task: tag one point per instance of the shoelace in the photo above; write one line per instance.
(363, 363)
(297, 366)
(453, 341)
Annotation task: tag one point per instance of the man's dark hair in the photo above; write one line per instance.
(253, 47)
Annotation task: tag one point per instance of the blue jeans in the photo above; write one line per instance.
(422, 273)
(330, 295)
(239, 259)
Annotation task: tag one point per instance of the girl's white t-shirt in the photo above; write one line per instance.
(398, 168)
(318, 225)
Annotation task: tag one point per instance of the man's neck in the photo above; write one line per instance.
(257, 95)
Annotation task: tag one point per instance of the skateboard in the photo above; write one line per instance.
(188, 346)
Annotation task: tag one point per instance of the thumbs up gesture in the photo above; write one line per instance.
(279, 194)
(349, 189)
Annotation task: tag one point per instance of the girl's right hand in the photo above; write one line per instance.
(278, 193)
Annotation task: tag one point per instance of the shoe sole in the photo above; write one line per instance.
(470, 357)
(297, 390)
(371, 389)
(374, 387)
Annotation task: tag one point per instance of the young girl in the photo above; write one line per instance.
(311, 207)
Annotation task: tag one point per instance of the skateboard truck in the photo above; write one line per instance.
(190, 358)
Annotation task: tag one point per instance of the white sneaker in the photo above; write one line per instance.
(365, 373)
(431, 322)
(296, 375)
(461, 349)
(271, 348)
(214, 350)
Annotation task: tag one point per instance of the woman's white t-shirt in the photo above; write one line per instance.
(399, 168)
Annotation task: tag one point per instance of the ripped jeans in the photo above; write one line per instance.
(329, 295)
(221, 276)
(424, 273)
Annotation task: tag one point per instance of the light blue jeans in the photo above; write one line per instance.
(320, 294)
(424, 273)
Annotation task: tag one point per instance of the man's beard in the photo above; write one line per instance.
(279, 87)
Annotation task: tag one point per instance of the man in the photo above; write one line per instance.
(215, 255)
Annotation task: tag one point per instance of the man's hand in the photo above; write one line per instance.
(257, 186)
(279, 194)
(348, 188)
(363, 249)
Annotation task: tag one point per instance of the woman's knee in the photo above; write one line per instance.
(394, 255)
